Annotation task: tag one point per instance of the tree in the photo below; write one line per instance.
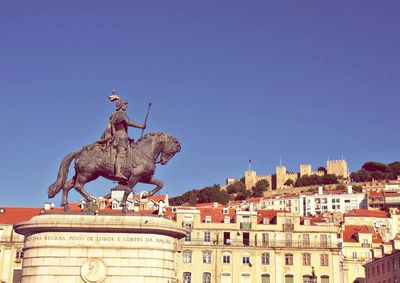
(321, 168)
(329, 179)
(213, 194)
(375, 166)
(289, 183)
(357, 188)
(361, 176)
(259, 188)
(235, 187)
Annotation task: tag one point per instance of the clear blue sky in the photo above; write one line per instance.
(232, 80)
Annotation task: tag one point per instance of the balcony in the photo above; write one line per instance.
(272, 244)
(288, 227)
(245, 226)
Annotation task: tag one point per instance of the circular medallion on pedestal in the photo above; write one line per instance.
(93, 270)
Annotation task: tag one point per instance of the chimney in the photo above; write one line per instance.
(320, 190)
(349, 189)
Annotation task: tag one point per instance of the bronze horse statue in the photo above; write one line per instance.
(93, 161)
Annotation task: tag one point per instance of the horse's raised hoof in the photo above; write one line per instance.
(67, 208)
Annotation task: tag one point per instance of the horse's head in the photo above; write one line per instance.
(170, 148)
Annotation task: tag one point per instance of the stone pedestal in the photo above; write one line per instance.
(99, 248)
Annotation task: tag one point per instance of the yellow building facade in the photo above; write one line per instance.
(263, 246)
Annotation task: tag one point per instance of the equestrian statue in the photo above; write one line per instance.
(117, 157)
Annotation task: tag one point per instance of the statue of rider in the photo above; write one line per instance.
(117, 133)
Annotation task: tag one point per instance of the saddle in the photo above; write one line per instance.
(108, 153)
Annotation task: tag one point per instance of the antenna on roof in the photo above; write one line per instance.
(280, 160)
(249, 164)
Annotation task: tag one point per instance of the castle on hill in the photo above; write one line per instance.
(281, 176)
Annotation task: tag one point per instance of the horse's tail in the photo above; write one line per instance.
(56, 187)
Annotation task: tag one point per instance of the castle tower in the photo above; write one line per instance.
(305, 169)
(250, 179)
(337, 167)
(280, 176)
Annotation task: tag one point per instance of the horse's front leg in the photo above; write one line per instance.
(128, 189)
(159, 185)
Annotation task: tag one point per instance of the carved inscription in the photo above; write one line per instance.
(77, 239)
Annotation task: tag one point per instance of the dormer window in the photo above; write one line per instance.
(207, 219)
(307, 222)
(265, 220)
(227, 220)
(225, 211)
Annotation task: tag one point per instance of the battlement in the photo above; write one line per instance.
(337, 167)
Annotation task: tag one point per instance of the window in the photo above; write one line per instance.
(265, 220)
(19, 254)
(324, 240)
(187, 277)
(207, 219)
(324, 260)
(378, 270)
(265, 258)
(226, 277)
(306, 259)
(225, 211)
(289, 278)
(246, 259)
(288, 239)
(306, 279)
(188, 237)
(207, 237)
(324, 279)
(206, 277)
(388, 266)
(383, 268)
(17, 273)
(265, 278)
(227, 219)
(288, 259)
(265, 239)
(245, 278)
(354, 255)
(207, 257)
(306, 240)
(187, 256)
(226, 258)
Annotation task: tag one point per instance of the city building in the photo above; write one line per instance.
(235, 245)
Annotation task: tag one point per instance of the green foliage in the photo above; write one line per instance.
(321, 168)
(314, 180)
(207, 194)
(259, 188)
(213, 194)
(289, 183)
(357, 188)
(235, 187)
(377, 171)
(375, 166)
(340, 187)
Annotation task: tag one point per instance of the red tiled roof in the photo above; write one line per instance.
(216, 213)
(155, 198)
(270, 214)
(366, 213)
(257, 199)
(350, 232)
(12, 215)
(206, 204)
(375, 194)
